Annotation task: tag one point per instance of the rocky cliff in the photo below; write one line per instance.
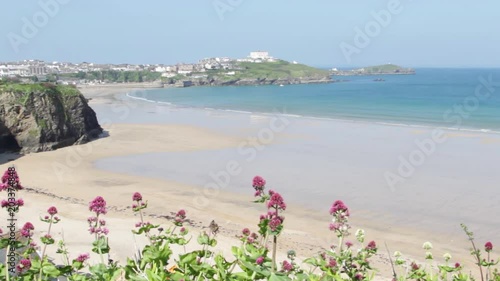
(42, 117)
(250, 81)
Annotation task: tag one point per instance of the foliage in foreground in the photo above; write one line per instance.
(254, 259)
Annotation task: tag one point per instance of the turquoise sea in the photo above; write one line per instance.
(450, 98)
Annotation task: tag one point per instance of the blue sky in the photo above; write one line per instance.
(446, 33)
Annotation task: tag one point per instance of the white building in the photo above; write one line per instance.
(259, 55)
(14, 70)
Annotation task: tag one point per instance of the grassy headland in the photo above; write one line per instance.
(385, 69)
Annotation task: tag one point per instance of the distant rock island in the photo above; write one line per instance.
(385, 69)
(43, 116)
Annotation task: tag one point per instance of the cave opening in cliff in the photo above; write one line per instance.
(9, 144)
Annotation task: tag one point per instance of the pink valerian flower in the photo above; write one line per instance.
(372, 246)
(180, 217)
(348, 244)
(52, 211)
(457, 265)
(340, 222)
(275, 223)
(246, 231)
(287, 267)
(10, 179)
(23, 265)
(27, 229)
(12, 203)
(335, 226)
(259, 184)
(358, 276)
(332, 263)
(339, 207)
(183, 231)
(488, 247)
(82, 258)
(141, 224)
(98, 206)
(96, 226)
(98, 230)
(259, 261)
(137, 197)
(276, 202)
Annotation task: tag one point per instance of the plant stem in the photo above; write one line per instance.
(478, 257)
(142, 221)
(488, 274)
(7, 276)
(275, 242)
(45, 248)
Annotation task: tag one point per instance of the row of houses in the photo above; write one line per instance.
(37, 68)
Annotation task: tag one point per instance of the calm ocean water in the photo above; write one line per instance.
(433, 97)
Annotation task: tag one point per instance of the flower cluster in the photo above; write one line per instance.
(97, 225)
(23, 266)
(340, 221)
(488, 247)
(248, 236)
(276, 201)
(12, 203)
(371, 247)
(142, 224)
(10, 179)
(51, 217)
(139, 204)
(82, 258)
(98, 206)
(27, 230)
(259, 184)
(180, 218)
(286, 266)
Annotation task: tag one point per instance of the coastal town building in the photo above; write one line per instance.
(262, 55)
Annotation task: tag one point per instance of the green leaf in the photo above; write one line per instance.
(278, 277)
(213, 242)
(203, 239)
(50, 270)
(101, 246)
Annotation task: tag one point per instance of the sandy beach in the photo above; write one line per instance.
(68, 179)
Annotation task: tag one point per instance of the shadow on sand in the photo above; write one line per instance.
(6, 157)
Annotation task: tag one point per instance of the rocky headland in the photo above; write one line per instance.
(43, 117)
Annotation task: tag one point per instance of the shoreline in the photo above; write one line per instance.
(309, 117)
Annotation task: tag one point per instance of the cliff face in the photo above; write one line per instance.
(41, 118)
(252, 82)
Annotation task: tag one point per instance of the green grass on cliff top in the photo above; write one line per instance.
(384, 68)
(270, 70)
(63, 90)
(279, 70)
